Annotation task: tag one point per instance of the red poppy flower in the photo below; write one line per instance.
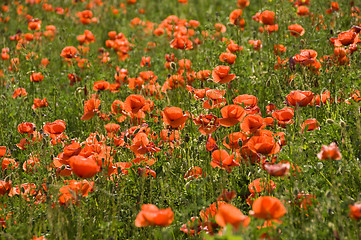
(299, 98)
(279, 49)
(40, 103)
(101, 85)
(346, 38)
(235, 18)
(234, 140)
(56, 127)
(221, 159)
(19, 92)
(90, 108)
(296, 30)
(134, 103)
(260, 185)
(36, 77)
(220, 74)
(303, 11)
(227, 57)
(220, 27)
(151, 215)
(329, 152)
(228, 214)
(69, 52)
(215, 98)
(268, 17)
(231, 115)
(263, 144)
(355, 211)
(311, 123)
(257, 44)
(4, 187)
(181, 42)
(279, 170)
(26, 127)
(9, 163)
(226, 195)
(193, 173)
(246, 100)
(83, 167)
(284, 116)
(307, 57)
(252, 123)
(208, 123)
(174, 117)
(268, 208)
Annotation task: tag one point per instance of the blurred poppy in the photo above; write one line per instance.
(257, 44)
(19, 92)
(69, 52)
(235, 18)
(228, 214)
(311, 124)
(268, 17)
(193, 173)
(101, 85)
(39, 103)
(296, 30)
(330, 152)
(268, 208)
(355, 211)
(26, 127)
(181, 42)
(151, 215)
(226, 195)
(36, 77)
(227, 57)
(279, 169)
(5, 187)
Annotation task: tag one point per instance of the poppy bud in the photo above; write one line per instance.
(343, 124)
(240, 142)
(186, 138)
(230, 24)
(330, 121)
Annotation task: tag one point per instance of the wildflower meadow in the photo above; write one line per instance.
(180, 119)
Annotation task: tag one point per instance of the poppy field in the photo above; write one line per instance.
(180, 119)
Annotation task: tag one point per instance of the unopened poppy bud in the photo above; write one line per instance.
(3, 97)
(330, 121)
(343, 124)
(240, 143)
(187, 185)
(173, 65)
(230, 24)
(186, 138)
